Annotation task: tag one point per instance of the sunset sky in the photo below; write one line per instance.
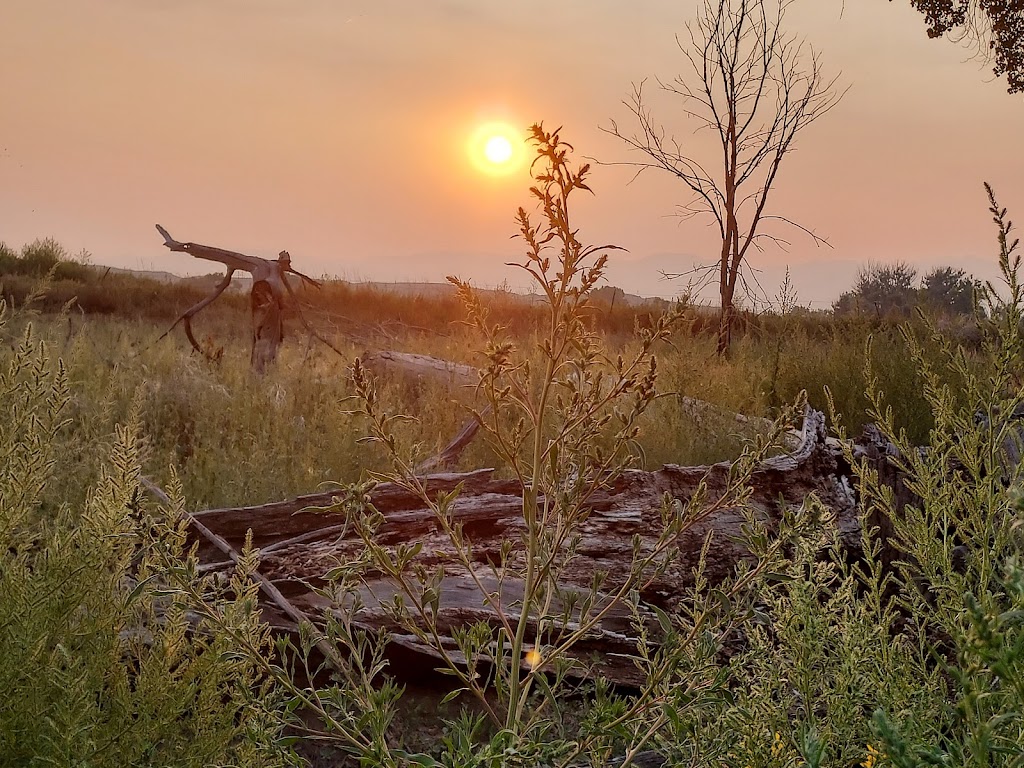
(339, 130)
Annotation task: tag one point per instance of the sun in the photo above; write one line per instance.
(496, 149)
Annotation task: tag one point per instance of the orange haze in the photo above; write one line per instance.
(337, 129)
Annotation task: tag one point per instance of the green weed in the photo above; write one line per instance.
(100, 664)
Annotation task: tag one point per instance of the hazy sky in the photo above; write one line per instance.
(338, 129)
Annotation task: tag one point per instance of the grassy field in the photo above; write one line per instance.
(239, 439)
(134, 659)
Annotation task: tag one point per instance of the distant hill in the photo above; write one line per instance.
(427, 290)
(606, 294)
(160, 277)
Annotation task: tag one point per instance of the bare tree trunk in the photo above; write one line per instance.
(727, 314)
(267, 326)
(754, 87)
(725, 321)
(267, 297)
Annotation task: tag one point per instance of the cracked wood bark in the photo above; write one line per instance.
(266, 585)
(302, 544)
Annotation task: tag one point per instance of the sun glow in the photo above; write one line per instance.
(497, 149)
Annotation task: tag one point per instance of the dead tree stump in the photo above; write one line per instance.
(267, 326)
(270, 290)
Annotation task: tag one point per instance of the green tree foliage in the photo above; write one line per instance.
(892, 290)
(45, 257)
(997, 25)
(882, 289)
(949, 291)
(41, 256)
(8, 259)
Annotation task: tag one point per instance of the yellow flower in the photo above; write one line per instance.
(872, 759)
(777, 745)
(533, 658)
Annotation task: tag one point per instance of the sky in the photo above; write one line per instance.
(339, 130)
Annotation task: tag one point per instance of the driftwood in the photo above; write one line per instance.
(449, 455)
(422, 366)
(300, 543)
(268, 295)
(266, 585)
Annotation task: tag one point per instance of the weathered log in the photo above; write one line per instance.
(446, 372)
(266, 585)
(304, 514)
(423, 366)
(449, 455)
(301, 544)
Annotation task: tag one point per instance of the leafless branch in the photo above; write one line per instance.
(755, 87)
(270, 275)
(188, 314)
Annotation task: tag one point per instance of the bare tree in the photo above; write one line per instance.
(755, 88)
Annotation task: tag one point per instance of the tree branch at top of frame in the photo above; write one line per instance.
(995, 28)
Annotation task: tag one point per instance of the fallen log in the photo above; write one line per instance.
(422, 366)
(266, 585)
(304, 538)
(444, 371)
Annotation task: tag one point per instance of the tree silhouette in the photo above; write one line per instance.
(949, 291)
(882, 289)
(888, 290)
(754, 87)
(995, 26)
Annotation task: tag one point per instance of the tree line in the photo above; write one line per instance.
(893, 290)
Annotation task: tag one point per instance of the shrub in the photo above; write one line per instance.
(912, 652)
(958, 549)
(8, 259)
(100, 664)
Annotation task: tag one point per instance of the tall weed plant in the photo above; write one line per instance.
(958, 546)
(564, 420)
(101, 664)
(907, 649)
